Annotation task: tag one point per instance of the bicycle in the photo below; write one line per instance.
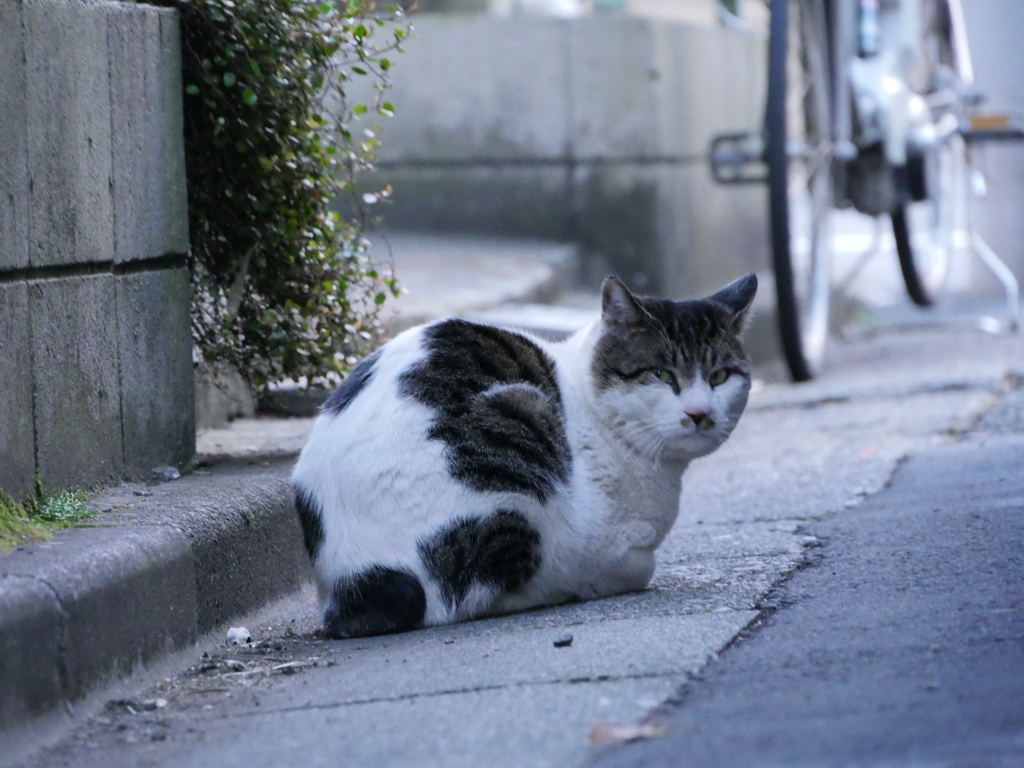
(870, 105)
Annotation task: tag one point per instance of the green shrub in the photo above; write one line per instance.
(282, 286)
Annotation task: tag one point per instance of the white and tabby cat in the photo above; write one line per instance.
(464, 470)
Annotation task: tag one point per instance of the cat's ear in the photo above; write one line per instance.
(737, 297)
(618, 305)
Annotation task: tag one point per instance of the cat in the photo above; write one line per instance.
(464, 470)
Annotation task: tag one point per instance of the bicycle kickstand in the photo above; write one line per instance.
(983, 129)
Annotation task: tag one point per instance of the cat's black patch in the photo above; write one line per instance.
(309, 517)
(353, 384)
(378, 601)
(499, 409)
(500, 550)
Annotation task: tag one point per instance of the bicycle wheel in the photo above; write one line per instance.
(925, 231)
(798, 154)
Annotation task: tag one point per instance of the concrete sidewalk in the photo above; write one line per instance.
(154, 570)
(499, 691)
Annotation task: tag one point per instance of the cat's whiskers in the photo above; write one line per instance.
(647, 441)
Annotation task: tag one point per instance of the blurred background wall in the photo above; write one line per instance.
(590, 130)
(996, 29)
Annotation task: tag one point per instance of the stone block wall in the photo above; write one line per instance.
(95, 345)
(591, 130)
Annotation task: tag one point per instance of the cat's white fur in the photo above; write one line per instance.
(383, 486)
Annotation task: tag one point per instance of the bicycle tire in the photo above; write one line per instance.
(799, 191)
(912, 277)
(926, 264)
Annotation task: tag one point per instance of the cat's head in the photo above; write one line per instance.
(671, 377)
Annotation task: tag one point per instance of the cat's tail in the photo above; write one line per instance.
(377, 601)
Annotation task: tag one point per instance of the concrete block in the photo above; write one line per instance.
(652, 89)
(729, 234)
(75, 375)
(69, 155)
(133, 38)
(30, 640)
(155, 353)
(221, 395)
(174, 201)
(618, 223)
(127, 596)
(617, 83)
(13, 140)
(510, 199)
(720, 80)
(668, 229)
(475, 87)
(17, 442)
(150, 210)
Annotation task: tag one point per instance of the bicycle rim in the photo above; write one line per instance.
(798, 154)
(926, 232)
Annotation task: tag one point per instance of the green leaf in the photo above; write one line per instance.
(229, 79)
(359, 109)
(192, 90)
(385, 64)
(249, 96)
(379, 299)
(255, 67)
(359, 70)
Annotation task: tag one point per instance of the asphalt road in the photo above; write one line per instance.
(902, 645)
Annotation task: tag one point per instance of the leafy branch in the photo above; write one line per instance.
(283, 285)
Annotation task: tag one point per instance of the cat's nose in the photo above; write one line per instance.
(697, 416)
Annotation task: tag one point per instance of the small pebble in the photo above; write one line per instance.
(238, 636)
(166, 473)
(563, 641)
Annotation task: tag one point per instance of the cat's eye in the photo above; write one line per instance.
(718, 377)
(663, 375)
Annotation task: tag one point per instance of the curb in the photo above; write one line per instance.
(159, 567)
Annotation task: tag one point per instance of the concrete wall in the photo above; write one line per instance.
(994, 27)
(591, 130)
(95, 346)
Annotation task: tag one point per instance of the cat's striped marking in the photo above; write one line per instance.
(311, 518)
(676, 336)
(378, 601)
(499, 552)
(498, 408)
(353, 384)
(309, 512)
